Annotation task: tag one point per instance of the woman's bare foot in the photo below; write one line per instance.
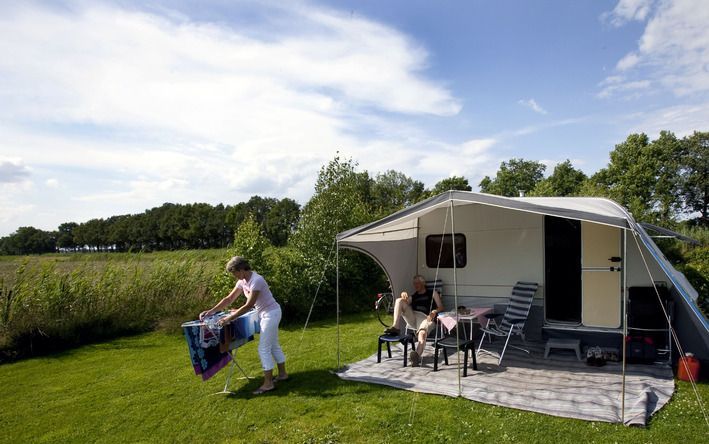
(263, 389)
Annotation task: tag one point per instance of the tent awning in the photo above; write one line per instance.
(402, 224)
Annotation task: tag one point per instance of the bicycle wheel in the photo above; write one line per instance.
(385, 308)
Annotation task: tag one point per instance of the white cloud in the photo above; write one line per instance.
(615, 88)
(628, 62)
(532, 104)
(128, 109)
(628, 10)
(672, 53)
(683, 120)
(13, 170)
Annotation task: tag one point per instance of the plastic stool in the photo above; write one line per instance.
(388, 339)
(568, 344)
(451, 342)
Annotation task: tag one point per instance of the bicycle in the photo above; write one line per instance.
(384, 306)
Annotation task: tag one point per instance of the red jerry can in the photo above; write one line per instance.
(688, 366)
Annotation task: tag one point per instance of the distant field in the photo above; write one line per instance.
(57, 301)
(67, 262)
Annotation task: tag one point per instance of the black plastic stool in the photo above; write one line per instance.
(388, 339)
(458, 345)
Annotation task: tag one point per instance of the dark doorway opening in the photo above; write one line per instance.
(562, 265)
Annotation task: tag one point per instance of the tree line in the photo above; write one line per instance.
(168, 227)
(661, 181)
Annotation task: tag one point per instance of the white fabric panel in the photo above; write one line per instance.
(503, 247)
(636, 272)
(400, 230)
(593, 205)
(397, 258)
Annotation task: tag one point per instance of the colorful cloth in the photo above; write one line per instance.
(209, 343)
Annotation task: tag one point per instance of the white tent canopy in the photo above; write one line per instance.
(394, 241)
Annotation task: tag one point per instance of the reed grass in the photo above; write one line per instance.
(54, 302)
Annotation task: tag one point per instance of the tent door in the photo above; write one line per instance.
(562, 270)
(600, 275)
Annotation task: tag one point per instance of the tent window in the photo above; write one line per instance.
(433, 249)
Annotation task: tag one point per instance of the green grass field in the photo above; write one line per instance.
(143, 389)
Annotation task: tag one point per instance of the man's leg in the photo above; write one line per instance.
(422, 342)
(397, 312)
(402, 309)
(424, 329)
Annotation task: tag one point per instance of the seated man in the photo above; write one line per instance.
(419, 310)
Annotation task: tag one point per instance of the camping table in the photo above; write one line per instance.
(450, 319)
(243, 329)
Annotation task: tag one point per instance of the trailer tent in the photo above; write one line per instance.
(588, 255)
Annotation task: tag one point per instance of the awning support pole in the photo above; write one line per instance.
(337, 297)
(625, 319)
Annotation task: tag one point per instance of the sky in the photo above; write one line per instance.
(115, 107)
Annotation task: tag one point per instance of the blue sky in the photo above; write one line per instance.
(114, 107)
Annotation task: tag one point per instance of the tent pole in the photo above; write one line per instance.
(625, 318)
(455, 298)
(337, 298)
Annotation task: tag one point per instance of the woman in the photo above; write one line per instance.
(258, 295)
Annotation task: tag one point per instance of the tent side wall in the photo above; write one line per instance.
(691, 326)
(502, 247)
(687, 327)
(396, 257)
(636, 272)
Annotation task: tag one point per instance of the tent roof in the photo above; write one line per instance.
(401, 225)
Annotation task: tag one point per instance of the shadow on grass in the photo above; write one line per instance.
(322, 384)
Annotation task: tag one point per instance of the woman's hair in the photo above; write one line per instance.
(237, 263)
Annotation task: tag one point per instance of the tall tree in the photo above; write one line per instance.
(65, 235)
(340, 202)
(28, 240)
(564, 181)
(514, 177)
(450, 183)
(393, 190)
(694, 172)
(280, 221)
(643, 176)
(250, 243)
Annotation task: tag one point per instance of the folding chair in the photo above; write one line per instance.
(514, 319)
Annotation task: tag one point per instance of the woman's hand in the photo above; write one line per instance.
(204, 314)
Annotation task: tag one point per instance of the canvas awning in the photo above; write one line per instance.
(393, 240)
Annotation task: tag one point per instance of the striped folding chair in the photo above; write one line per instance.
(514, 319)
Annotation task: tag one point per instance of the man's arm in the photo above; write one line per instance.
(439, 306)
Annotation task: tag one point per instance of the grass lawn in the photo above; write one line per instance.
(143, 389)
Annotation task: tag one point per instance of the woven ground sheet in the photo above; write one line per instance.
(559, 386)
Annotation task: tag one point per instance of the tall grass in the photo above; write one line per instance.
(47, 305)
